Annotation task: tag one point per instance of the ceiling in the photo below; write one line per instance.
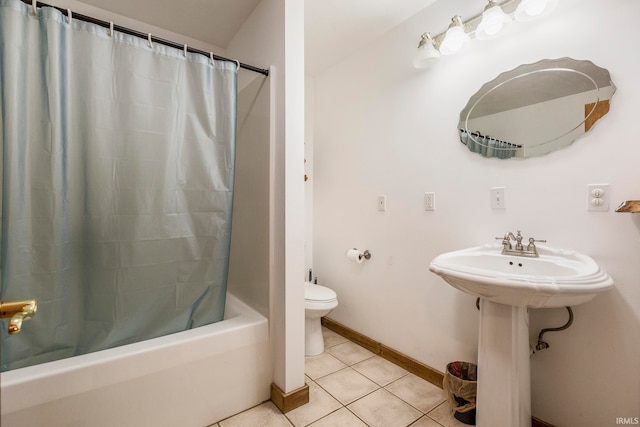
(197, 19)
(336, 28)
(333, 28)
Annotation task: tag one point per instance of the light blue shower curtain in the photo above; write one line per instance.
(487, 146)
(117, 185)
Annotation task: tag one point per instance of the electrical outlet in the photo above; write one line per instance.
(598, 197)
(382, 203)
(497, 198)
(430, 201)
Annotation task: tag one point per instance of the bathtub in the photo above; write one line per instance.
(188, 379)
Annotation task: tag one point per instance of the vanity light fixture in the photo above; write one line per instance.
(492, 21)
(427, 52)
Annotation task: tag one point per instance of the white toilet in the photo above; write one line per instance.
(318, 302)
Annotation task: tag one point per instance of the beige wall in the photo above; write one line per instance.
(273, 35)
(383, 127)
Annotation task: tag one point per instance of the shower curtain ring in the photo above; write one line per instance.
(150, 41)
(111, 29)
(211, 56)
(185, 49)
(69, 16)
(237, 64)
(34, 5)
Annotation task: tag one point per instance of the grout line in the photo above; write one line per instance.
(423, 414)
(411, 365)
(345, 405)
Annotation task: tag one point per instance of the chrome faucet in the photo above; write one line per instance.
(519, 250)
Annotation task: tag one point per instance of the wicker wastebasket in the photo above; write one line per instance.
(460, 384)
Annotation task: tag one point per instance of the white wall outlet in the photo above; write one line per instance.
(430, 201)
(382, 203)
(598, 197)
(497, 198)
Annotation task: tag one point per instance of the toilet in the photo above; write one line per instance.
(318, 302)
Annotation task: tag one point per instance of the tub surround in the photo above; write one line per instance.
(208, 373)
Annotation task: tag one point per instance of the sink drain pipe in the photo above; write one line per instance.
(542, 345)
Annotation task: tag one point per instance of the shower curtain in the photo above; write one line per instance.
(487, 146)
(117, 185)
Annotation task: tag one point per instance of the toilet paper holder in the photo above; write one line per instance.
(366, 254)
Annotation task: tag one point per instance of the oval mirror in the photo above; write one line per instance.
(535, 108)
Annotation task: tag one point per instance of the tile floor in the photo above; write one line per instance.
(351, 387)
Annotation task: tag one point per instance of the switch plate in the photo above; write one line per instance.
(430, 201)
(497, 198)
(598, 197)
(382, 203)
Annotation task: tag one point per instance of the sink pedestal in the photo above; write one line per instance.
(507, 285)
(504, 376)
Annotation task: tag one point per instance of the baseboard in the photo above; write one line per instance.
(536, 422)
(423, 371)
(410, 364)
(288, 401)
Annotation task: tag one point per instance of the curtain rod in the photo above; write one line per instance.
(142, 35)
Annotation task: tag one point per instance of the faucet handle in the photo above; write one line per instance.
(531, 240)
(532, 246)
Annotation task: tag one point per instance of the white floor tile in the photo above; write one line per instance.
(321, 365)
(349, 352)
(380, 370)
(320, 404)
(347, 385)
(419, 393)
(444, 415)
(331, 338)
(341, 418)
(425, 422)
(376, 392)
(265, 415)
(383, 409)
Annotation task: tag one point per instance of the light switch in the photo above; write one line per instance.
(497, 198)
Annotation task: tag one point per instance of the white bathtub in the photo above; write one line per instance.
(189, 379)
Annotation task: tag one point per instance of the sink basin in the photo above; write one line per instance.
(556, 278)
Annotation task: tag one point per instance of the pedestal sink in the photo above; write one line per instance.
(508, 286)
